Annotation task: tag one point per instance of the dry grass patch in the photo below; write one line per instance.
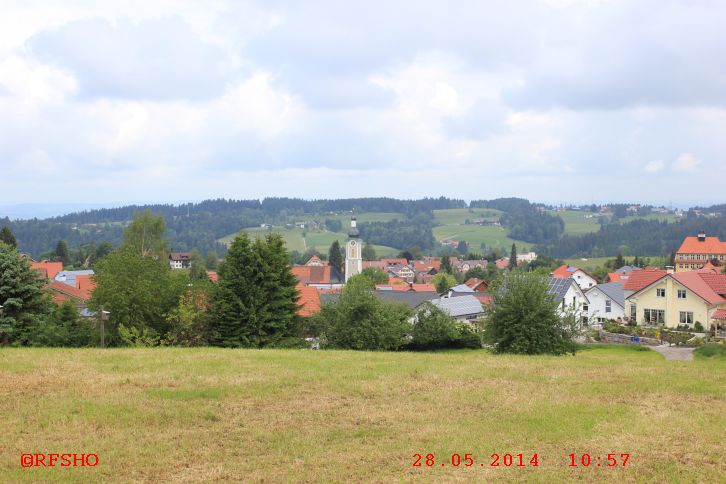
(186, 415)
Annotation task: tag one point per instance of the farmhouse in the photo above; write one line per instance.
(180, 260)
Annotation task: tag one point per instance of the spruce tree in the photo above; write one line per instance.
(7, 236)
(61, 252)
(619, 261)
(446, 265)
(513, 258)
(254, 302)
(22, 297)
(335, 258)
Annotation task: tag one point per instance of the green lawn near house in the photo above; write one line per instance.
(200, 415)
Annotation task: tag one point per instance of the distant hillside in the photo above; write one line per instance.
(200, 225)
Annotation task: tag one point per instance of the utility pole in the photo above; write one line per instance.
(102, 316)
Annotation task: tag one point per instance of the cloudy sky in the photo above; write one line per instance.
(174, 100)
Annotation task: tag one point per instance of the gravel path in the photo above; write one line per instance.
(674, 353)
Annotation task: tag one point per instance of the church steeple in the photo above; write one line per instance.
(353, 252)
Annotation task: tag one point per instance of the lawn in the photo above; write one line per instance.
(459, 216)
(192, 415)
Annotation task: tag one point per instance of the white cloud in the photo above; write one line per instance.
(654, 166)
(686, 163)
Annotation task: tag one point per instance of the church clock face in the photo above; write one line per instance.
(353, 249)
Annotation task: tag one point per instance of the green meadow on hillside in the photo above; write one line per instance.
(193, 415)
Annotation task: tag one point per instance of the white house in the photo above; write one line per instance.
(606, 301)
(582, 278)
(569, 296)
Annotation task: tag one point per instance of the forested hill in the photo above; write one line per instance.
(200, 225)
(639, 237)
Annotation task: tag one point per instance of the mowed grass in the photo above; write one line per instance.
(577, 224)
(459, 216)
(193, 415)
(474, 235)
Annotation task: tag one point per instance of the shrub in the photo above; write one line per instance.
(698, 327)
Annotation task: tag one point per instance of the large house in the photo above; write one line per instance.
(681, 298)
(582, 278)
(180, 260)
(695, 252)
(47, 268)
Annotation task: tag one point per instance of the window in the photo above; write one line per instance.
(584, 307)
(686, 317)
(681, 293)
(660, 292)
(608, 306)
(633, 311)
(654, 315)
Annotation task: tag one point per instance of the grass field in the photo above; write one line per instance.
(192, 415)
(577, 224)
(319, 239)
(474, 235)
(459, 216)
(593, 262)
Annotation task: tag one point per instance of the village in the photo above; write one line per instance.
(689, 296)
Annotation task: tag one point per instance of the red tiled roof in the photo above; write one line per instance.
(703, 284)
(314, 274)
(309, 301)
(86, 283)
(637, 280)
(180, 256)
(63, 292)
(407, 287)
(719, 314)
(47, 268)
(485, 299)
(711, 245)
(620, 277)
(477, 284)
(315, 260)
(565, 271)
(395, 261)
(502, 263)
(375, 263)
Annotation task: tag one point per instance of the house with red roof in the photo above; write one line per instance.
(47, 268)
(679, 299)
(315, 261)
(695, 252)
(327, 277)
(478, 285)
(582, 278)
(309, 300)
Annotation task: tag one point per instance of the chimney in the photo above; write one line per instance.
(670, 269)
(702, 236)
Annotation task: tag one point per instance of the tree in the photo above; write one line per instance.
(64, 327)
(22, 297)
(368, 252)
(61, 252)
(524, 318)
(212, 260)
(376, 275)
(443, 282)
(145, 235)
(477, 272)
(198, 269)
(189, 321)
(462, 248)
(335, 256)
(513, 258)
(139, 292)
(7, 237)
(103, 250)
(619, 261)
(361, 321)
(254, 303)
(446, 265)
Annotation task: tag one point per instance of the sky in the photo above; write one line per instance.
(562, 101)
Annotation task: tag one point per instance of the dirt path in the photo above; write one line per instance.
(674, 353)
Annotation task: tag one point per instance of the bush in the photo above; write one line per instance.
(698, 327)
(434, 329)
(361, 321)
(524, 319)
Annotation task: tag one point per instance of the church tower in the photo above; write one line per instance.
(353, 252)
